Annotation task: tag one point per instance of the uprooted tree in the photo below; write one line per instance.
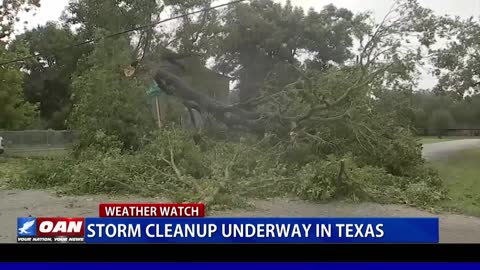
(341, 107)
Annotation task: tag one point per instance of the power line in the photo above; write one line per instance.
(126, 31)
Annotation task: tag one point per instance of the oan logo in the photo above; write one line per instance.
(60, 226)
(26, 226)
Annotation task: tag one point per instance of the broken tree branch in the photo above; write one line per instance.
(201, 102)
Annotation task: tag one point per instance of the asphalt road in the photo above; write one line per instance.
(442, 150)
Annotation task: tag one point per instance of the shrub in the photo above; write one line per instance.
(322, 180)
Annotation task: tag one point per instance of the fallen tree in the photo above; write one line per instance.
(296, 106)
(340, 92)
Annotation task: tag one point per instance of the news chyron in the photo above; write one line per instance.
(60, 230)
(72, 229)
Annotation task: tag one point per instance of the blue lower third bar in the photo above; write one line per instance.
(235, 266)
(262, 230)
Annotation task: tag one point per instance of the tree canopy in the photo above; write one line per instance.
(15, 112)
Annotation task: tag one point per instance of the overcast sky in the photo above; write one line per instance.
(52, 9)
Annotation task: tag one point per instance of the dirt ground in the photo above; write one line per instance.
(16, 203)
(453, 228)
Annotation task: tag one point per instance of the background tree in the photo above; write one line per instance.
(194, 34)
(15, 113)
(465, 111)
(441, 121)
(458, 64)
(9, 15)
(107, 101)
(48, 77)
(257, 38)
(116, 16)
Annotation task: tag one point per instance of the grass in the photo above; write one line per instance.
(462, 179)
(10, 169)
(35, 152)
(15, 160)
(434, 139)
